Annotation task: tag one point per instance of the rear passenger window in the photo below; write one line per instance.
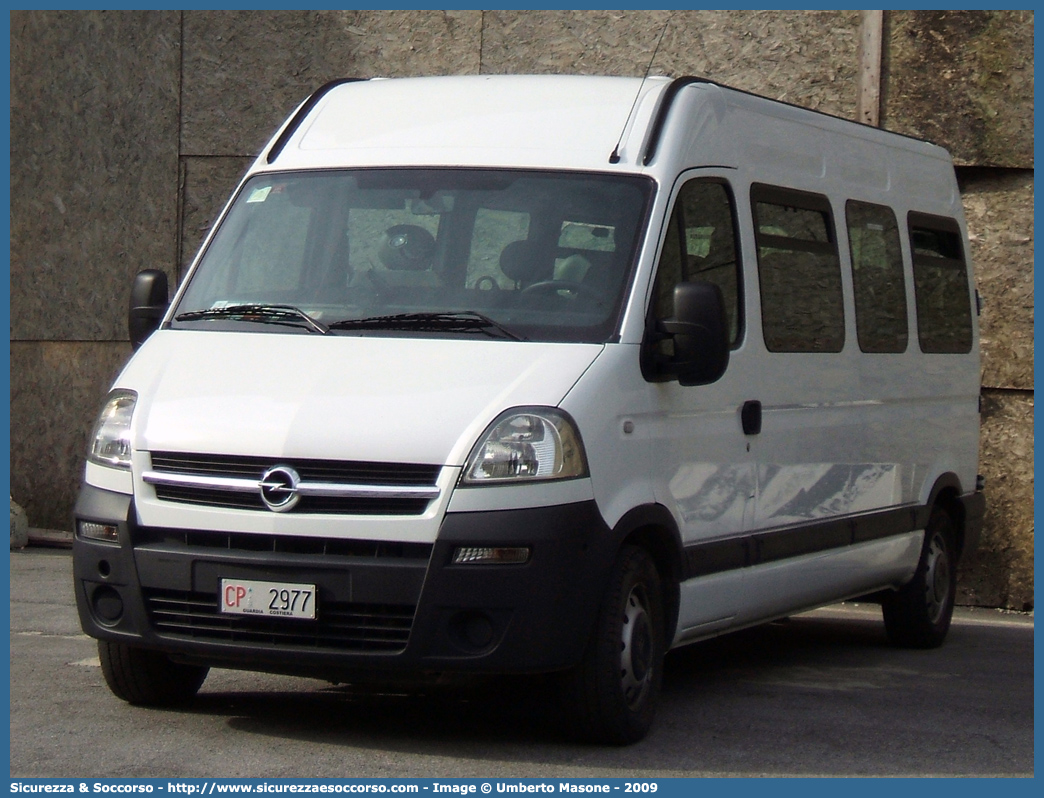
(802, 309)
(877, 275)
(944, 320)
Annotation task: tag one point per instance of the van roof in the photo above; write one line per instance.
(589, 123)
(521, 121)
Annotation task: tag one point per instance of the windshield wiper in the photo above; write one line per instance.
(260, 313)
(451, 321)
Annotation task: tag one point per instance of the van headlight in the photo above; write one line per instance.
(110, 441)
(527, 445)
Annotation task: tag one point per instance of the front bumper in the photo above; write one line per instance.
(382, 607)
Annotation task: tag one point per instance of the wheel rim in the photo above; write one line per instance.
(937, 579)
(636, 649)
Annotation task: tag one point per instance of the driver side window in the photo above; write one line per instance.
(701, 246)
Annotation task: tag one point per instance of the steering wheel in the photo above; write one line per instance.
(576, 290)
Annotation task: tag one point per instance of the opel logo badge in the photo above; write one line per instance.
(279, 488)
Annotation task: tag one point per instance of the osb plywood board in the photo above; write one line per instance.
(94, 164)
(999, 208)
(804, 57)
(206, 186)
(570, 42)
(57, 389)
(808, 58)
(411, 43)
(246, 71)
(963, 79)
(1000, 574)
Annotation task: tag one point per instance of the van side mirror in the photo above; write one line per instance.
(700, 331)
(148, 303)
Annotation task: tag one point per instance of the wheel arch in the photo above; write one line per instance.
(946, 493)
(652, 527)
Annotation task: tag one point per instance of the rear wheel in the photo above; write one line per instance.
(918, 615)
(611, 695)
(148, 678)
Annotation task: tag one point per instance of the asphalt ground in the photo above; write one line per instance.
(820, 694)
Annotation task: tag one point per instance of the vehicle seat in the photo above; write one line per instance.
(519, 262)
(573, 269)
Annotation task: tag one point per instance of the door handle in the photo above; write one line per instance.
(750, 416)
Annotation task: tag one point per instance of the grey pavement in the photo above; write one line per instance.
(820, 694)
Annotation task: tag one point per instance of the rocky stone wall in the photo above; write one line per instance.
(130, 129)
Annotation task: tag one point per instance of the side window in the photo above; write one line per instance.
(877, 274)
(944, 320)
(701, 245)
(802, 309)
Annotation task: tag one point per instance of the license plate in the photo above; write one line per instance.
(270, 599)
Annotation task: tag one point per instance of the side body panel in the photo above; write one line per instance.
(846, 436)
(682, 449)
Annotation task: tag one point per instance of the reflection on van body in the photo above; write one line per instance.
(708, 492)
(790, 494)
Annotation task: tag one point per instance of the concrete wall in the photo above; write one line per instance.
(129, 130)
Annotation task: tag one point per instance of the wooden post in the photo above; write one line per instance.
(870, 33)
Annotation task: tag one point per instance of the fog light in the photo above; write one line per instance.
(496, 555)
(107, 604)
(478, 630)
(472, 631)
(93, 531)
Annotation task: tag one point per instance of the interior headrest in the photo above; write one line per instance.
(406, 247)
(518, 261)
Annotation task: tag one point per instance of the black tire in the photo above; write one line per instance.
(610, 697)
(918, 614)
(148, 678)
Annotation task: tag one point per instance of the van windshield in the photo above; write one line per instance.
(518, 255)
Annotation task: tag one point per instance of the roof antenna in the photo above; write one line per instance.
(615, 156)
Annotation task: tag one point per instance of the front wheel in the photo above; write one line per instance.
(148, 678)
(611, 695)
(918, 614)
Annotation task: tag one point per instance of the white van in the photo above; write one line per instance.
(539, 375)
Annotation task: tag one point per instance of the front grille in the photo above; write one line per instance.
(375, 628)
(311, 504)
(382, 475)
(317, 470)
(280, 544)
